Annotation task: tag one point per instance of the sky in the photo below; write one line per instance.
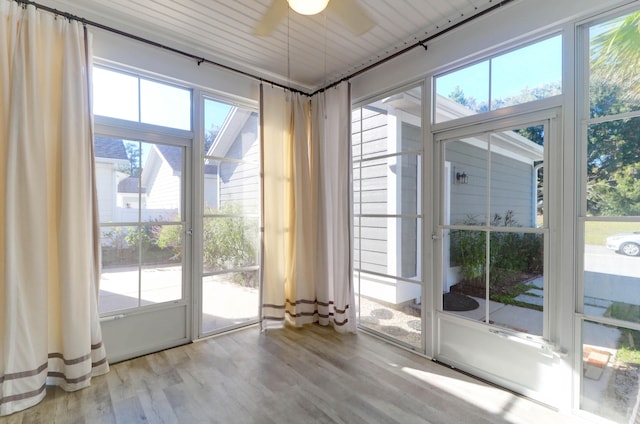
(118, 95)
(124, 96)
(215, 113)
(527, 67)
(129, 97)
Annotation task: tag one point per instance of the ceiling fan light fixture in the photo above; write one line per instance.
(308, 7)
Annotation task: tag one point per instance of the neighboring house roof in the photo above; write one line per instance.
(230, 132)
(172, 155)
(130, 185)
(231, 129)
(506, 143)
(210, 170)
(109, 148)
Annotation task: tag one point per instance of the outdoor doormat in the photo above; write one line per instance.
(458, 302)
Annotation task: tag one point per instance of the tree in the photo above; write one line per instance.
(613, 147)
(615, 55)
(457, 95)
(613, 154)
(229, 242)
(210, 137)
(527, 94)
(133, 154)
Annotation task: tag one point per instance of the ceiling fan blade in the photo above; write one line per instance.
(352, 15)
(272, 17)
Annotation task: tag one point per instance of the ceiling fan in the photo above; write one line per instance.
(348, 11)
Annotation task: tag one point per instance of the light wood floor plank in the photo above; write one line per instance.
(308, 375)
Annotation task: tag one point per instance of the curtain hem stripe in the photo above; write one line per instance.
(23, 374)
(22, 396)
(56, 355)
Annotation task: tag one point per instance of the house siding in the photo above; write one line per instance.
(106, 184)
(370, 187)
(512, 185)
(163, 191)
(239, 181)
(373, 181)
(411, 140)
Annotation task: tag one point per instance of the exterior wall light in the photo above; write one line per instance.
(462, 178)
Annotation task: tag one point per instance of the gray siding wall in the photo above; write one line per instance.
(371, 185)
(512, 185)
(370, 190)
(411, 140)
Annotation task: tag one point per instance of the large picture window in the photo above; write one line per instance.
(527, 74)
(611, 219)
(230, 217)
(124, 96)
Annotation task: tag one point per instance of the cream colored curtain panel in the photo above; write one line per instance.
(49, 269)
(306, 252)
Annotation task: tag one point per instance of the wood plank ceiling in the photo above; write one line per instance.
(304, 52)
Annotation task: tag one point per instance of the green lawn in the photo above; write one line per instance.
(597, 232)
(629, 342)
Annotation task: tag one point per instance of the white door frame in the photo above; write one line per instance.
(134, 332)
(533, 366)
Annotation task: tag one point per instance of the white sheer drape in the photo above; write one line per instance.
(49, 326)
(306, 254)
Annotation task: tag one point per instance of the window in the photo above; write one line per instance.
(230, 217)
(611, 218)
(124, 96)
(387, 177)
(141, 186)
(140, 199)
(493, 197)
(179, 212)
(527, 74)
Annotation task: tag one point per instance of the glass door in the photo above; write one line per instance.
(143, 226)
(230, 218)
(387, 151)
(142, 150)
(495, 244)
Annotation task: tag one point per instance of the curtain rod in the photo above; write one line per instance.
(201, 60)
(420, 43)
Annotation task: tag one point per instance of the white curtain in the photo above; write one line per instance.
(49, 257)
(331, 136)
(306, 208)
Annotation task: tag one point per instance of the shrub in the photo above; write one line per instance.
(228, 242)
(511, 253)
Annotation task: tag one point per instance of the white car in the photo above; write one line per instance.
(625, 243)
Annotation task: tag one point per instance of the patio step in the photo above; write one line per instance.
(531, 297)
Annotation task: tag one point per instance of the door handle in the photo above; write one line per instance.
(549, 348)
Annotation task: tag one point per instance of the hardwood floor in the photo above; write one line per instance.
(309, 375)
